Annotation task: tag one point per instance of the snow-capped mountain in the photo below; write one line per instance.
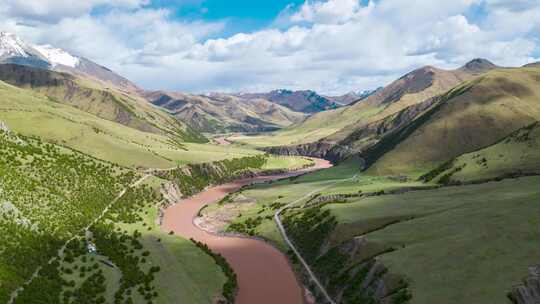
(14, 50)
(57, 56)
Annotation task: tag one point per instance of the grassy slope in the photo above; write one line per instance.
(518, 153)
(31, 114)
(468, 244)
(494, 106)
(315, 127)
(98, 98)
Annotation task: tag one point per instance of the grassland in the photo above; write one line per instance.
(465, 244)
(32, 114)
(518, 154)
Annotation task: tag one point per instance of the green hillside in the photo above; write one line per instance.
(50, 194)
(516, 155)
(33, 114)
(102, 100)
(475, 115)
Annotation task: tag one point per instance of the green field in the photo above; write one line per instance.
(467, 244)
(50, 193)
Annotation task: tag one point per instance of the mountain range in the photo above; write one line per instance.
(221, 113)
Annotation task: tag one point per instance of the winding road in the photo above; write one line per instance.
(264, 274)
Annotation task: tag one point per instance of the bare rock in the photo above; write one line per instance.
(529, 291)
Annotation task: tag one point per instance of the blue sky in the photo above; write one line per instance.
(332, 46)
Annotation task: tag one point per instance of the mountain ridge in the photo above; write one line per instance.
(306, 101)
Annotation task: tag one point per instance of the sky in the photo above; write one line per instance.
(331, 46)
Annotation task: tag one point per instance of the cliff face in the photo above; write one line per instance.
(529, 291)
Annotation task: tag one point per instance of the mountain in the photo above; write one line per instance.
(16, 51)
(219, 113)
(532, 65)
(91, 96)
(352, 96)
(474, 115)
(306, 101)
(352, 128)
(478, 66)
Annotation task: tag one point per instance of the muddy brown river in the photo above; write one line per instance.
(264, 274)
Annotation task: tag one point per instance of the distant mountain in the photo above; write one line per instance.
(218, 113)
(532, 65)
(478, 66)
(306, 101)
(14, 50)
(352, 96)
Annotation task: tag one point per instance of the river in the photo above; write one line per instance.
(264, 274)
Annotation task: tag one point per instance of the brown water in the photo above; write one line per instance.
(264, 274)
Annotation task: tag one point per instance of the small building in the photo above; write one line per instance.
(91, 247)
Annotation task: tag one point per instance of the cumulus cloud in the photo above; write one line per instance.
(332, 46)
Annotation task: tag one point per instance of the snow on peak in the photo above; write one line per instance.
(11, 45)
(57, 56)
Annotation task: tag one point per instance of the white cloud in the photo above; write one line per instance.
(332, 46)
(333, 11)
(54, 10)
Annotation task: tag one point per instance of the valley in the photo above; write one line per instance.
(422, 191)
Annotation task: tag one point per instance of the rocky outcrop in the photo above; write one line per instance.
(316, 149)
(529, 291)
(171, 193)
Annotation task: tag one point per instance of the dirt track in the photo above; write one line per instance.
(264, 275)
